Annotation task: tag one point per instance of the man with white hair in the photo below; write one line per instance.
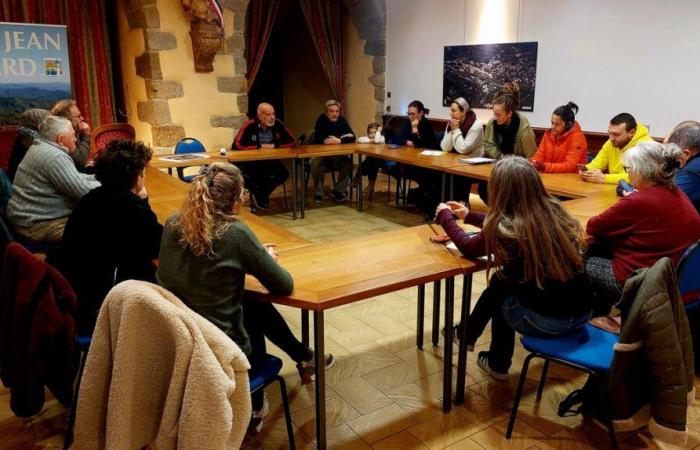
(47, 185)
(263, 131)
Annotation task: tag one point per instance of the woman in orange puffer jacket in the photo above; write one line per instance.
(563, 146)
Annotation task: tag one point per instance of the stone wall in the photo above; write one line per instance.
(157, 108)
(369, 18)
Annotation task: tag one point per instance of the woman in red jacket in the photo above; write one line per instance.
(655, 220)
(563, 146)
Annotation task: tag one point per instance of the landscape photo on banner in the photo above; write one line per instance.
(34, 68)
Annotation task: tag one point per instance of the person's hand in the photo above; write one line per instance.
(331, 140)
(627, 193)
(440, 238)
(414, 124)
(539, 166)
(84, 128)
(455, 124)
(593, 176)
(409, 143)
(272, 250)
(267, 145)
(458, 209)
(440, 207)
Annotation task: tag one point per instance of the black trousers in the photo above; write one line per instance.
(262, 320)
(263, 177)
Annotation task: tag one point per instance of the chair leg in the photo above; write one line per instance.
(68, 437)
(518, 394)
(287, 413)
(543, 378)
(607, 415)
(388, 187)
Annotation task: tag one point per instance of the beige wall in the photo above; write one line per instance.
(306, 88)
(201, 97)
(359, 92)
(132, 45)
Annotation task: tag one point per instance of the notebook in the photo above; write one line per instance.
(477, 160)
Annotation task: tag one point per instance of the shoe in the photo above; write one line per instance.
(307, 370)
(483, 362)
(455, 337)
(254, 204)
(317, 199)
(257, 417)
(572, 405)
(338, 196)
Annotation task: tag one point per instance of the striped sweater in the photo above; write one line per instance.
(47, 186)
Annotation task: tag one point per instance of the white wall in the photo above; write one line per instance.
(638, 56)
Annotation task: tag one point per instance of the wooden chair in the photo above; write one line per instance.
(103, 135)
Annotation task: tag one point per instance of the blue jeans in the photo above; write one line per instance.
(508, 315)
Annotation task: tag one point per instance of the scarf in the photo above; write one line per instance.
(467, 123)
(508, 134)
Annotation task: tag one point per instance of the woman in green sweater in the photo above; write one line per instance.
(205, 254)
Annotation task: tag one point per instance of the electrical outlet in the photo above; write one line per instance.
(388, 108)
(388, 94)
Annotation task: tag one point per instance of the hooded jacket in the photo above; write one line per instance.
(651, 377)
(610, 158)
(525, 144)
(562, 154)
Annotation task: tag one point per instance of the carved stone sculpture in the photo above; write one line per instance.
(206, 32)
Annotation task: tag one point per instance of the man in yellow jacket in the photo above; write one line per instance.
(625, 133)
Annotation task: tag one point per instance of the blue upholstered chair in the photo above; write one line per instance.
(591, 349)
(187, 145)
(265, 373)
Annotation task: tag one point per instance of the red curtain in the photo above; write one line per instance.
(324, 19)
(261, 18)
(88, 47)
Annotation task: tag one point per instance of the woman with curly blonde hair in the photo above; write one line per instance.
(206, 252)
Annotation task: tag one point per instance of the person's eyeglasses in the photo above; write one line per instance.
(411, 114)
(626, 169)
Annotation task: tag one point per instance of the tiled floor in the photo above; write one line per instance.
(383, 393)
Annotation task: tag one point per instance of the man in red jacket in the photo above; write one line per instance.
(264, 131)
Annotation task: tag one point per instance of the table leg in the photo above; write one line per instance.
(360, 206)
(452, 187)
(305, 327)
(294, 189)
(447, 369)
(462, 353)
(436, 313)
(320, 362)
(421, 316)
(442, 189)
(303, 188)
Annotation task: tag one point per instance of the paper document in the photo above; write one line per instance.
(477, 160)
(184, 157)
(452, 246)
(432, 153)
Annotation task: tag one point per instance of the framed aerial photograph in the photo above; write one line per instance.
(477, 72)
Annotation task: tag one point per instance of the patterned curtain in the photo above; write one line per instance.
(324, 18)
(88, 46)
(259, 21)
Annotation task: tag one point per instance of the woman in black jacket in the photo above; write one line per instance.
(112, 234)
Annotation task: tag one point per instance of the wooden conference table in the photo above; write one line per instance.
(334, 274)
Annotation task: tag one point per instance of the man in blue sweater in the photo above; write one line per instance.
(687, 136)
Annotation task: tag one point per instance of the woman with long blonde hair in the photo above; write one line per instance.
(206, 252)
(538, 285)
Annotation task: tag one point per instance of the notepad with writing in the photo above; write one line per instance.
(477, 160)
(432, 153)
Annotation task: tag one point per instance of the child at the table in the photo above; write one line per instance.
(370, 166)
(539, 286)
(205, 254)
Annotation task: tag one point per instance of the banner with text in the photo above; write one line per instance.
(34, 68)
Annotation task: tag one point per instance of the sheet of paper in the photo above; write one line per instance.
(432, 153)
(476, 160)
(452, 246)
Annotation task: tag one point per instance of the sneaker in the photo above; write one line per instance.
(483, 362)
(338, 196)
(307, 370)
(455, 337)
(317, 199)
(257, 417)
